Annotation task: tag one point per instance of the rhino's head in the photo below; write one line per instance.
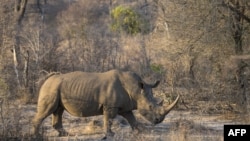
(151, 108)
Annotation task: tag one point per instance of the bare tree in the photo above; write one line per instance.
(20, 7)
(238, 19)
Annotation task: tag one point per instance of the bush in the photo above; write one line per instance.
(157, 68)
(125, 19)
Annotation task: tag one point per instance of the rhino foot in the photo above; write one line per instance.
(63, 133)
(139, 128)
(37, 137)
(108, 135)
(104, 138)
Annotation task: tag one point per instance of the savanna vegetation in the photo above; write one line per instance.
(198, 49)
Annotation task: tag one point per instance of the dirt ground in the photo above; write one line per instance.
(179, 125)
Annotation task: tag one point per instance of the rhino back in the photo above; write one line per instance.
(84, 94)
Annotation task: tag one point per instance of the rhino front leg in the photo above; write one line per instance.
(109, 114)
(136, 126)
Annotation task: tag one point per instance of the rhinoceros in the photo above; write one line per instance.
(109, 94)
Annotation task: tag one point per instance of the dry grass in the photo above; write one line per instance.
(178, 126)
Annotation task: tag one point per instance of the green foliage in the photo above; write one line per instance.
(127, 20)
(157, 68)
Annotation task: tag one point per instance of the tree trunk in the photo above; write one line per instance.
(26, 70)
(20, 6)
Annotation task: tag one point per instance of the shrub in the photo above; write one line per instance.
(125, 19)
(157, 68)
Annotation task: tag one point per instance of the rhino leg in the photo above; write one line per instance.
(45, 107)
(109, 114)
(57, 121)
(42, 113)
(129, 116)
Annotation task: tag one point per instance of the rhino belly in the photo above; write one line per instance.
(82, 108)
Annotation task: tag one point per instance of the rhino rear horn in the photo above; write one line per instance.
(158, 101)
(168, 108)
(155, 84)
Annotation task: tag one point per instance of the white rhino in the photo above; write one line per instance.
(110, 93)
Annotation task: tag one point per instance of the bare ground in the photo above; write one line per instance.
(178, 126)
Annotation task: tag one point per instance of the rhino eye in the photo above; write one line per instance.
(151, 107)
(157, 120)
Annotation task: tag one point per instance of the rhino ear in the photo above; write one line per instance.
(141, 84)
(156, 84)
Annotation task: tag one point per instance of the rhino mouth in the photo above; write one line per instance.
(158, 120)
(152, 117)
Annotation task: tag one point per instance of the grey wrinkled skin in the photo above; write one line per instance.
(109, 94)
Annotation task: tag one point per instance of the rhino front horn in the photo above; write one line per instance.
(168, 108)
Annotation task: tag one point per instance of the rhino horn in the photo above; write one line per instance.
(158, 101)
(168, 108)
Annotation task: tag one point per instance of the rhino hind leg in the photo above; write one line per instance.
(57, 121)
(44, 109)
(41, 114)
